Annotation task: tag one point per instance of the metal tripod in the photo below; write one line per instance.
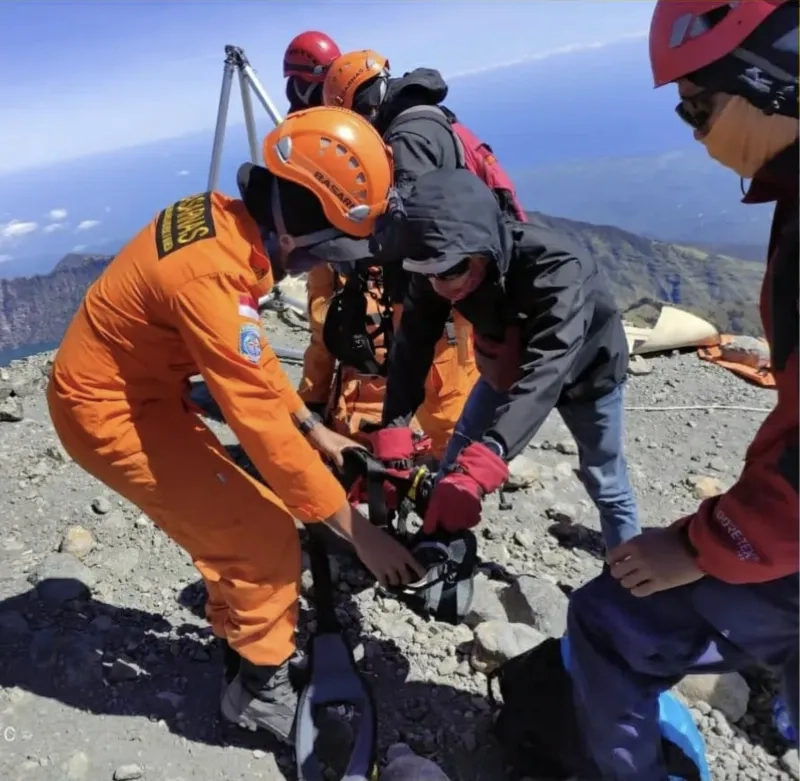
(236, 60)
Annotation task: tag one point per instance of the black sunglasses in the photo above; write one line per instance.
(454, 271)
(696, 110)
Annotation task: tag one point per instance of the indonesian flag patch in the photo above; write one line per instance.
(248, 308)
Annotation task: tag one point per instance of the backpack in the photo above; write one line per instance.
(539, 733)
(473, 154)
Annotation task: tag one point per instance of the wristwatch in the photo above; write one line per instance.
(495, 447)
(310, 422)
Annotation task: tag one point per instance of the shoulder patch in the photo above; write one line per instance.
(250, 342)
(183, 223)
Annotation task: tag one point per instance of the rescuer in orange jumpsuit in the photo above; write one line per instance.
(178, 300)
(350, 396)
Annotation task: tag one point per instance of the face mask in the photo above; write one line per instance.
(743, 138)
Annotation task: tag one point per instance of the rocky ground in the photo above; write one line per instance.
(116, 676)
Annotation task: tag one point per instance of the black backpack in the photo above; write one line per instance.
(536, 723)
(537, 727)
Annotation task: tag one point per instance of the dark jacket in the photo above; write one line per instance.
(749, 534)
(421, 144)
(546, 328)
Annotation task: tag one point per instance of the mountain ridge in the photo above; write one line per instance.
(36, 310)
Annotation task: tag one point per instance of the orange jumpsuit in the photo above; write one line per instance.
(357, 398)
(179, 300)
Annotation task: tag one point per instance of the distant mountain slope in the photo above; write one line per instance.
(722, 289)
(36, 310)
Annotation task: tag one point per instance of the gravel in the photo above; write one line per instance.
(109, 670)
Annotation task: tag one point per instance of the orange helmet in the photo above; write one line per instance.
(337, 155)
(348, 72)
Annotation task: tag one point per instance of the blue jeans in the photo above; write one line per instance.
(597, 427)
(626, 650)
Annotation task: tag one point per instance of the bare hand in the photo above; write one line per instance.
(330, 444)
(390, 562)
(654, 561)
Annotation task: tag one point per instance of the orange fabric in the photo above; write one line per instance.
(448, 385)
(358, 399)
(319, 366)
(755, 372)
(178, 300)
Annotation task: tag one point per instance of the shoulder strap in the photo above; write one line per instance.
(438, 115)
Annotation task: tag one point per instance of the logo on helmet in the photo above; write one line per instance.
(337, 191)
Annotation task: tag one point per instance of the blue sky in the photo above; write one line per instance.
(78, 78)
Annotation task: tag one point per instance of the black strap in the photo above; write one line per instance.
(327, 620)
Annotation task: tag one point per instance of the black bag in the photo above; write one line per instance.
(536, 725)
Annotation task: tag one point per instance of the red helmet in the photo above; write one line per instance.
(686, 35)
(309, 56)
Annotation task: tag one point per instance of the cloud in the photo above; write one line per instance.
(57, 215)
(16, 229)
(79, 248)
(53, 227)
(184, 172)
(546, 55)
(86, 225)
(6, 258)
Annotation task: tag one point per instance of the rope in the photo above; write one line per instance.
(697, 407)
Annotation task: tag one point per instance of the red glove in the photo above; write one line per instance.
(456, 500)
(393, 447)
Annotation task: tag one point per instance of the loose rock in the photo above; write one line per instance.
(498, 641)
(62, 578)
(538, 603)
(728, 693)
(77, 541)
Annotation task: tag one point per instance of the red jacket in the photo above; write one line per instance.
(750, 534)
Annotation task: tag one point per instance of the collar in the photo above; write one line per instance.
(776, 179)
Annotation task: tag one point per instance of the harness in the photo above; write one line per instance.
(351, 334)
(450, 559)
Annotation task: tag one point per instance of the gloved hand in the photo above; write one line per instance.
(455, 502)
(393, 447)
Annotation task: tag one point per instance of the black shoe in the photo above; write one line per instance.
(262, 697)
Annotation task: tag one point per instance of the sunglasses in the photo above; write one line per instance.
(454, 271)
(696, 110)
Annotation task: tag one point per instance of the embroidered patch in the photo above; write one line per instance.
(250, 342)
(247, 307)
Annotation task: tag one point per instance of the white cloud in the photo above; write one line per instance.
(86, 225)
(184, 172)
(6, 258)
(57, 215)
(17, 228)
(547, 54)
(79, 248)
(53, 227)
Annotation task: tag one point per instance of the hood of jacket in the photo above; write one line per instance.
(420, 87)
(448, 215)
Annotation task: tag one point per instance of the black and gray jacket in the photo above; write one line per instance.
(546, 329)
(420, 144)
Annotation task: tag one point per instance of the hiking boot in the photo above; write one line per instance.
(262, 697)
